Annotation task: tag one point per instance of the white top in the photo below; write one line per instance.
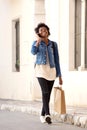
(44, 71)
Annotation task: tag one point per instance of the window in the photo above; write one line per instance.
(16, 45)
(77, 33)
(86, 35)
(81, 34)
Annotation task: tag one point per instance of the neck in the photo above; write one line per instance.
(46, 41)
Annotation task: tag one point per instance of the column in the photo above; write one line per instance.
(82, 67)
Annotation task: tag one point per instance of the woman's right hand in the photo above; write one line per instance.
(38, 40)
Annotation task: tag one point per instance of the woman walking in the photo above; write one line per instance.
(47, 67)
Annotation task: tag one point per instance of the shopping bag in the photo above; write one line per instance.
(59, 100)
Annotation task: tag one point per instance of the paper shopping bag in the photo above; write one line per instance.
(59, 100)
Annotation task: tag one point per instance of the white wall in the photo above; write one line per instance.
(15, 85)
(61, 21)
(19, 85)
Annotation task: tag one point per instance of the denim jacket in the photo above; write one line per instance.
(53, 55)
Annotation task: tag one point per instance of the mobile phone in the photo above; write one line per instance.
(39, 35)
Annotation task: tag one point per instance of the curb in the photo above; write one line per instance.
(73, 119)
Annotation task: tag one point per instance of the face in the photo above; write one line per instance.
(43, 32)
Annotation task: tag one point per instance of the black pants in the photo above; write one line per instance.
(46, 88)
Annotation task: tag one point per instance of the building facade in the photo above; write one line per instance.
(68, 24)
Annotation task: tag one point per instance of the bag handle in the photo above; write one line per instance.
(59, 87)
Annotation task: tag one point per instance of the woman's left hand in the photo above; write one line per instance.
(60, 81)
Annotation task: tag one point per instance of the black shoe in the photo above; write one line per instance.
(48, 119)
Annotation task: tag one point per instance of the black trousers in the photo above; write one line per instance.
(46, 88)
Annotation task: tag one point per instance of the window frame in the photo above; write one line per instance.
(16, 45)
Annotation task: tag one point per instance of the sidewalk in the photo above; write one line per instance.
(75, 115)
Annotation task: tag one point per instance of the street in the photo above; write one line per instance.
(23, 121)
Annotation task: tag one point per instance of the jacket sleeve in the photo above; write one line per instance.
(56, 58)
(34, 49)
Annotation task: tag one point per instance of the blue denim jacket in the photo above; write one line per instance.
(53, 55)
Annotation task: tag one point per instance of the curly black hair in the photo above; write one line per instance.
(42, 25)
